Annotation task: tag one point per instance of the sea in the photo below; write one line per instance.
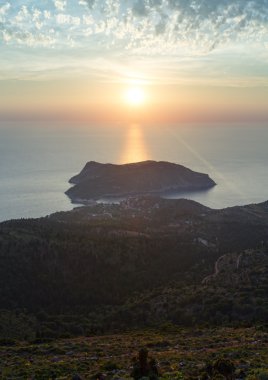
(38, 158)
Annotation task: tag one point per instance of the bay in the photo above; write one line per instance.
(37, 160)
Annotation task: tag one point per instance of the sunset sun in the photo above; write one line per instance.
(135, 96)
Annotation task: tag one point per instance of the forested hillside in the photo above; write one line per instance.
(143, 262)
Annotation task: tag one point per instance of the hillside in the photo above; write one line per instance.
(236, 292)
(143, 262)
(182, 354)
(97, 180)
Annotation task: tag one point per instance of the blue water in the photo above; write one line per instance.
(37, 160)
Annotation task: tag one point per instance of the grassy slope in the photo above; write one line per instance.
(182, 354)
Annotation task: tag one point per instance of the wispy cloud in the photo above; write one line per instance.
(165, 25)
(158, 25)
(123, 30)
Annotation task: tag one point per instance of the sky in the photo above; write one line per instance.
(193, 60)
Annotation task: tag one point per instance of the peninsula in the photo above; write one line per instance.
(97, 181)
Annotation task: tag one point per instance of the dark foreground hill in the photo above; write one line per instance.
(98, 180)
(143, 262)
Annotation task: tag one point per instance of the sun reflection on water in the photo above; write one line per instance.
(135, 147)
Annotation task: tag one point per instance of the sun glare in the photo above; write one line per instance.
(135, 96)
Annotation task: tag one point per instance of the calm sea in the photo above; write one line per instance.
(37, 160)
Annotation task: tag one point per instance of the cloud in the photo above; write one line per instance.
(170, 24)
(174, 27)
(60, 4)
(25, 25)
(4, 9)
(67, 19)
(140, 9)
(90, 3)
(28, 38)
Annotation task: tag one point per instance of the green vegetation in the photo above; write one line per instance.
(181, 354)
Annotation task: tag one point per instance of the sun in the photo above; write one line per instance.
(135, 96)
